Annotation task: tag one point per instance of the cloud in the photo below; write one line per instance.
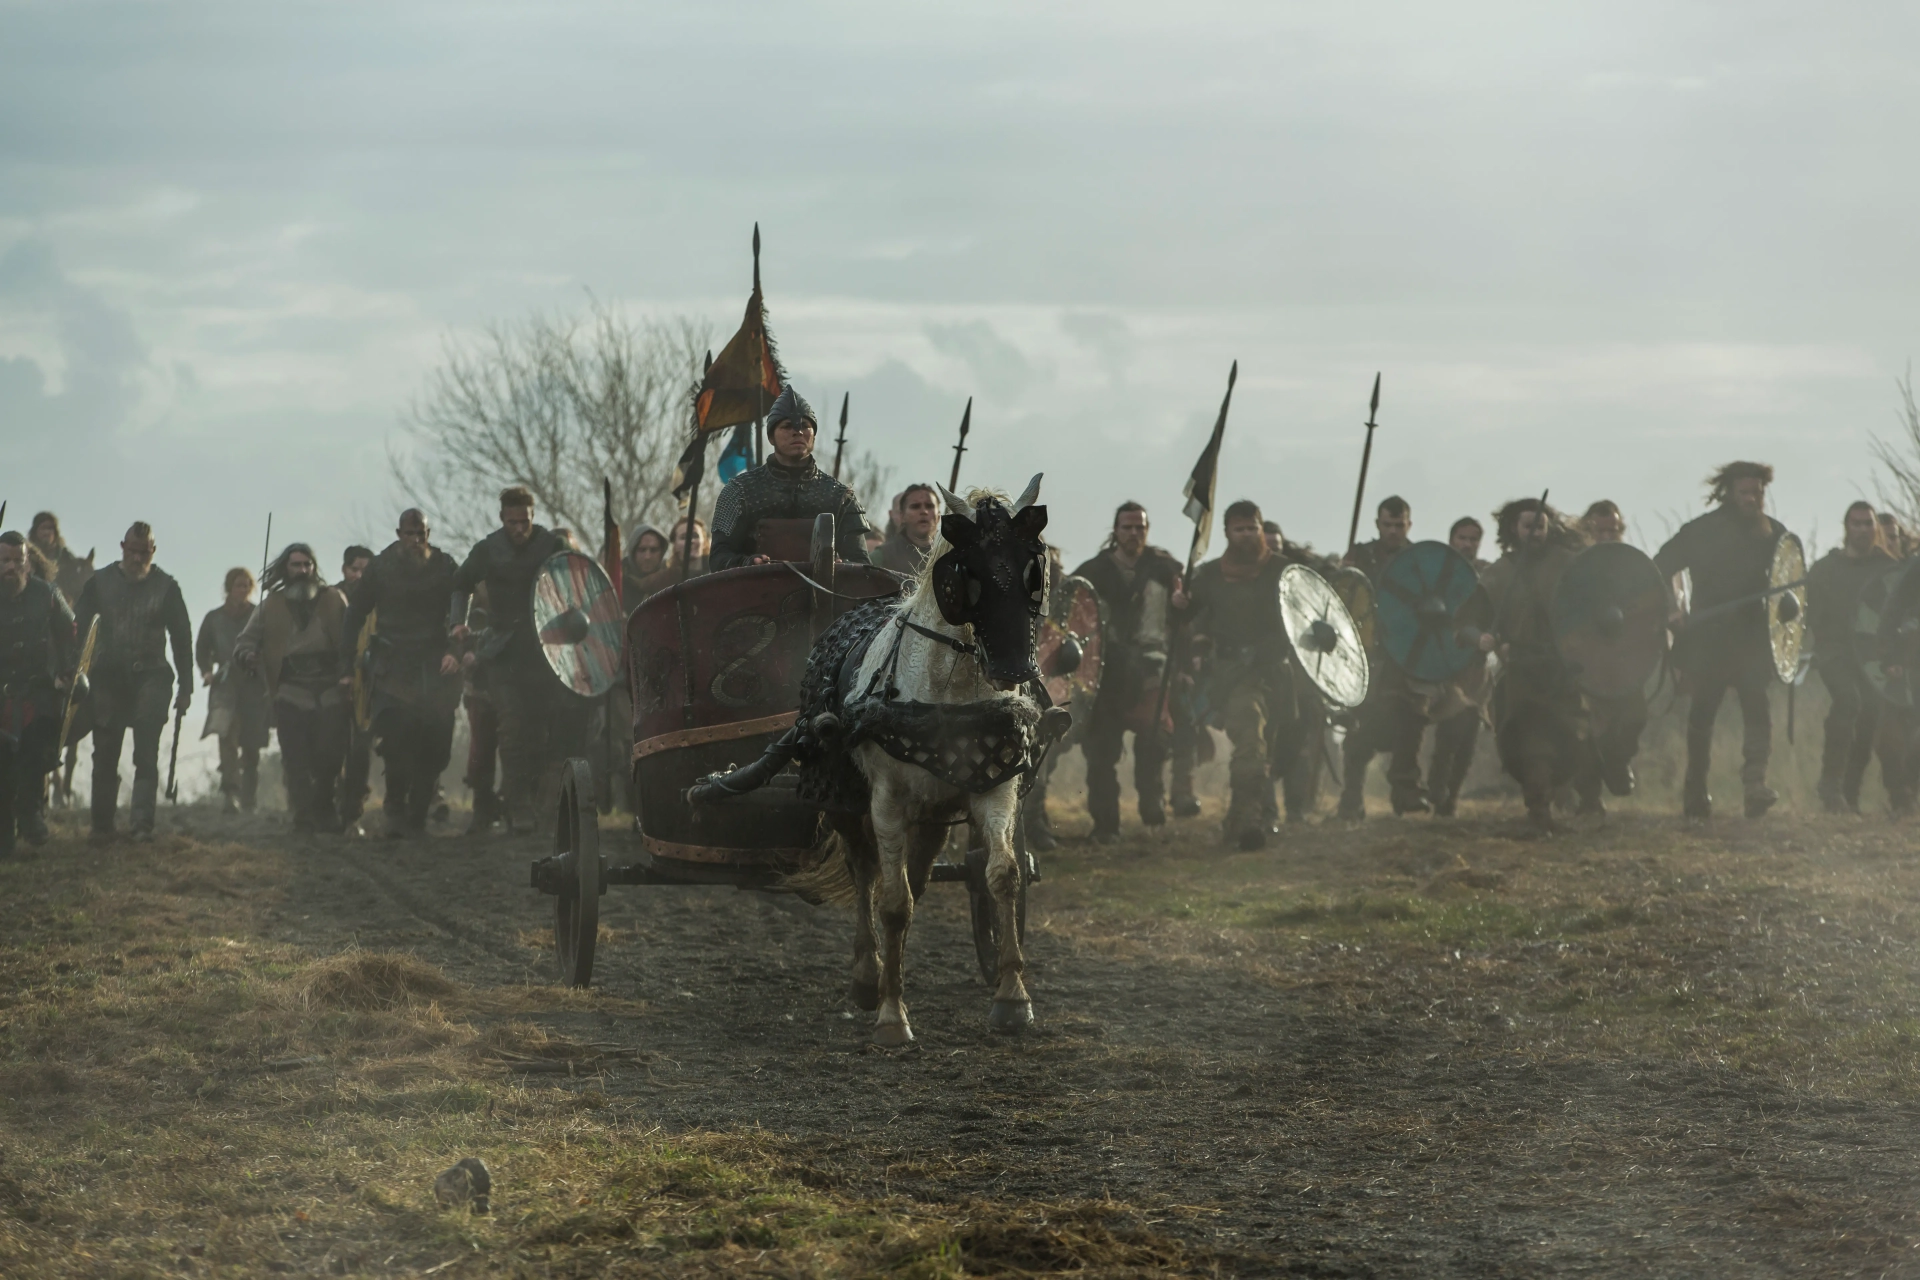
(996, 362)
(1107, 335)
(102, 360)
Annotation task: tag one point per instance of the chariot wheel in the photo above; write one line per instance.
(576, 846)
(980, 905)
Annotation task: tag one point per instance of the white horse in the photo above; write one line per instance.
(916, 714)
(946, 683)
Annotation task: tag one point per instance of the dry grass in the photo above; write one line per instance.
(183, 1097)
(1786, 947)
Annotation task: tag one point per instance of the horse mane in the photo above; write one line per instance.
(920, 586)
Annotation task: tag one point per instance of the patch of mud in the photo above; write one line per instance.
(1300, 1120)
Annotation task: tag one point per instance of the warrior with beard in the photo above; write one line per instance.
(1252, 689)
(1394, 716)
(1833, 597)
(36, 664)
(414, 673)
(788, 486)
(358, 767)
(1458, 712)
(142, 615)
(1539, 720)
(236, 703)
(1729, 552)
(69, 571)
(1617, 722)
(542, 722)
(294, 640)
(1140, 586)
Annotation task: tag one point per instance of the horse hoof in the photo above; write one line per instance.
(893, 1035)
(1011, 1016)
(865, 994)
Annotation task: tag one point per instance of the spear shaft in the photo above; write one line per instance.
(1366, 459)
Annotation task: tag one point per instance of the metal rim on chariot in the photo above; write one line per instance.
(582, 874)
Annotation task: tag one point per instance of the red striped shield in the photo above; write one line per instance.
(577, 614)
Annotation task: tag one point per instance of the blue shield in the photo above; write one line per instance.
(1429, 612)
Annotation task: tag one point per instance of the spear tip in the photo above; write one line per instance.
(1374, 406)
(1233, 375)
(966, 419)
(844, 397)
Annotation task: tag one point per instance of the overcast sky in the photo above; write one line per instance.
(1600, 248)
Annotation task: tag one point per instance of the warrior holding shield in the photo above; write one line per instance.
(1619, 598)
(1539, 719)
(1394, 717)
(1460, 710)
(414, 675)
(1236, 622)
(1729, 553)
(1833, 597)
(541, 721)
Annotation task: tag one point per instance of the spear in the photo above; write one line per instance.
(759, 377)
(840, 445)
(960, 447)
(266, 553)
(1366, 457)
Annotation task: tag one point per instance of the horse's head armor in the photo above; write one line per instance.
(994, 579)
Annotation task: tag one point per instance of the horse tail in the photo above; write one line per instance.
(829, 880)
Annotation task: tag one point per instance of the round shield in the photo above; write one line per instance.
(1068, 648)
(1787, 610)
(577, 614)
(1429, 611)
(1868, 613)
(1355, 590)
(1610, 619)
(1325, 638)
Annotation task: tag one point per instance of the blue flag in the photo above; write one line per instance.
(738, 455)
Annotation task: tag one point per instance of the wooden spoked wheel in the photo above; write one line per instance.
(576, 843)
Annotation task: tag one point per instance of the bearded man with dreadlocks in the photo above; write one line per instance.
(294, 640)
(1539, 720)
(414, 673)
(789, 485)
(142, 615)
(1729, 552)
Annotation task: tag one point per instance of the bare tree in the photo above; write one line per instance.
(554, 403)
(1898, 483)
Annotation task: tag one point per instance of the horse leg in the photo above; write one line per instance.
(994, 816)
(895, 902)
(864, 989)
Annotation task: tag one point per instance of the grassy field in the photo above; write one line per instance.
(182, 1097)
(186, 1096)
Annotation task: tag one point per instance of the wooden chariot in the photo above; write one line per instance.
(714, 666)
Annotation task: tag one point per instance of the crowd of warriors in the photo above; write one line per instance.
(429, 635)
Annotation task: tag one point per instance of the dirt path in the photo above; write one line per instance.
(1303, 1094)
